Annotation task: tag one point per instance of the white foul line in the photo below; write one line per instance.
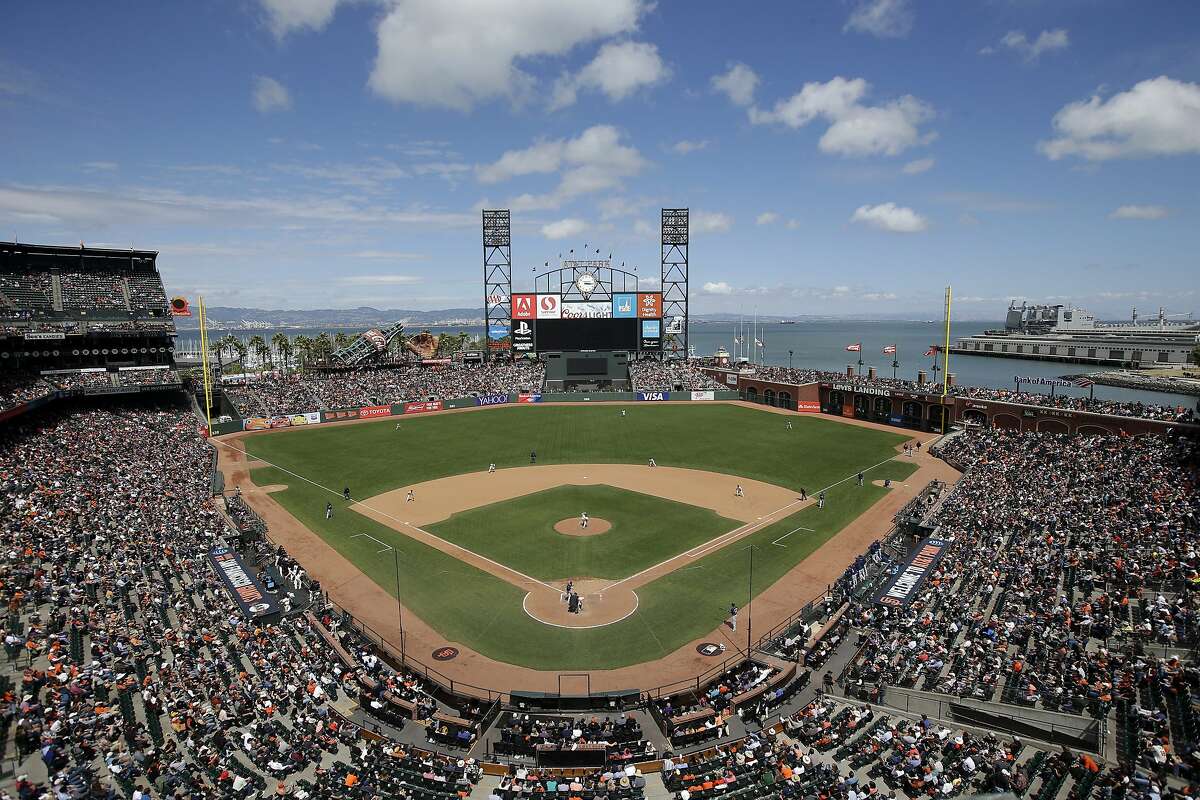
(397, 520)
(722, 540)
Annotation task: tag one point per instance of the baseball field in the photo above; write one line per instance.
(484, 556)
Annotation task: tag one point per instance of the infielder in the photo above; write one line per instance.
(738, 491)
(411, 497)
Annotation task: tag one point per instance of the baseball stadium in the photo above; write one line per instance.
(578, 555)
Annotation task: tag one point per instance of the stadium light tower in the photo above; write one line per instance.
(497, 281)
(675, 282)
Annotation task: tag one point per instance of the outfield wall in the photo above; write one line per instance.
(433, 406)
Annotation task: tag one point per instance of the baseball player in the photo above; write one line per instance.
(821, 500)
(733, 612)
(738, 491)
(860, 479)
(491, 468)
(411, 498)
(583, 520)
(787, 426)
(622, 412)
(653, 463)
(329, 511)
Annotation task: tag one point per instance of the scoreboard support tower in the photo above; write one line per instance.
(675, 282)
(497, 279)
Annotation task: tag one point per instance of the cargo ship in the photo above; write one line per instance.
(1072, 335)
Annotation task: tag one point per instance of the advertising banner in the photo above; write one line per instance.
(651, 334)
(281, 422)
(370, 412)
(524, 306)
(703, 395)
(338, 416)
(593, 309)
(808, 406)
(498, 336)
(731, 378)
(529, 398)
(650, 306)
(624, 306)
(549, 306)
(903, 588)
(523, 337)
(422, 406)
(47, 336)
(256, 424)
(497, 300)
(653, 395)
(310, 418)
(491, 399)
(241, 584)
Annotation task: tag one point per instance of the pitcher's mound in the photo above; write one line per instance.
(570, 526)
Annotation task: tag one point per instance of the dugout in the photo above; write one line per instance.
(587, 371)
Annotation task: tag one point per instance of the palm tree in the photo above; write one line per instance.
(340, 340)
(283, 347)
(304, 347)
(323, 346)
(233, 346)
(259, 346)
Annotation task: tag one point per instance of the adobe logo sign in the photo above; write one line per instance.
(523, 306)
(549, 307)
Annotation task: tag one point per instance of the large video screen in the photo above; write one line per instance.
(587, 334)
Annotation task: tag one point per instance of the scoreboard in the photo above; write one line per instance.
(553, 322)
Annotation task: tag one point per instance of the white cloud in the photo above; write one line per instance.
(591, 162)
(1046, 42)
(100, 166)
(641, 228)
(855, 129)
(618, 70)
(379, 280)
(766, 218)
(457, 53)
(285, 16)
(718, 287)
(737, 83)
(270, 95)
(710, 222)
(1140, 212)
(685, 146)
(1157, 117)
(884, 19)
(564, 228)
(918, 166)
(793, 224)
(877, 296)
(891, 218)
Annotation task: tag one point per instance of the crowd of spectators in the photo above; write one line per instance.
(1072, 580)
(1094, 405)
(21, 387)
(667, 376)
(297, 393)
(1122, 408)
(130, 669)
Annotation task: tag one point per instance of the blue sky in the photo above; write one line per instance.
(838, 157)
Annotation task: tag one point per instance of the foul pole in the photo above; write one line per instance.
(946, 350)
(204, 364)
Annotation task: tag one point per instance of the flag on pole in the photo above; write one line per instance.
(758, 342)
(890, 350)
(1084, 382)
(933, 350)
(854, 348)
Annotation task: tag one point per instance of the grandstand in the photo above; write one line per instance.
(79, 319)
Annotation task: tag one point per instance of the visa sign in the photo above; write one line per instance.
(653, 395)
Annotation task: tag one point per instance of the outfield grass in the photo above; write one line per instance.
(520, 532)
(474, 608)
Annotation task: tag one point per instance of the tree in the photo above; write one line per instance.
(340, 340)
(322, 346)
(234, 347)
(1196, 355)
(261, 351)
(283, 347)
(304, 347)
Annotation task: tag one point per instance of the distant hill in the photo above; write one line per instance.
(362, 317)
